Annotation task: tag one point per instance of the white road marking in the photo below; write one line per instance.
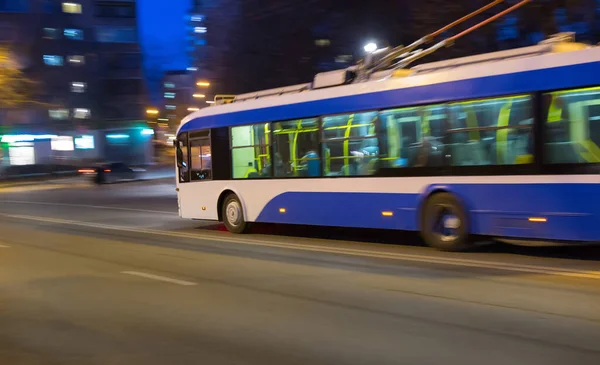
(89, 206)
(557, 271)
(159, 278)
(4, 246)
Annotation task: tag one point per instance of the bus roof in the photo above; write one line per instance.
(447, 81)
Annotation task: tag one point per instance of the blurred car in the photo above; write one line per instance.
(112, 173)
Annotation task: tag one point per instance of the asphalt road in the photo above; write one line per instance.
(110, 275)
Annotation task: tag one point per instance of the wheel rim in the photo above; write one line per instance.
(234, 213)
(446, 224)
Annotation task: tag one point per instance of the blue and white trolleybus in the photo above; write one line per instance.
(503, 145)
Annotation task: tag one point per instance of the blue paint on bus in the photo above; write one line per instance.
(572, 210)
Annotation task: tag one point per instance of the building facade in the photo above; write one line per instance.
(86, 57)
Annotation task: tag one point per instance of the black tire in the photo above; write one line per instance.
(444, 223)
(233, 215)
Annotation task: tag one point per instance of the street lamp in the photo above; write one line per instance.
(193, 109)
(203, 83)
(151, 111)
(199, 96)
(370, 47)
(210, 102)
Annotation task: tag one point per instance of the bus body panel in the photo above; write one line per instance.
(564, 208)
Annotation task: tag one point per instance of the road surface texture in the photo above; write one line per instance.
(110, 275)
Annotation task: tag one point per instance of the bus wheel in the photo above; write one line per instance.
(444, 223)
(233, 215)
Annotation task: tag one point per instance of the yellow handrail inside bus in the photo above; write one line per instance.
(347, 142)
(425, 127)
(294, 150)
(472, 123)
(555, 110)
(579, 129)
(502, 132)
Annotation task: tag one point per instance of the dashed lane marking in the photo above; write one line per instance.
(159, 278)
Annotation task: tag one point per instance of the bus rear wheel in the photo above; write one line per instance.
(444, 223)
(233, 215)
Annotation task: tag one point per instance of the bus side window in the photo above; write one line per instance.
(251, 151)
(183, 158)
(491, 132)
(572, 128)
(413, 136)
(296, 146)
(350, 145)
(201, 158)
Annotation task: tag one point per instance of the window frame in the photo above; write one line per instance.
(269, 148)
(545, 168)
(74, 38)
(62, 60)
(187, 146)
(203, 138)
(78, 5)
(482, 170)
(319, 146)
(322, 140)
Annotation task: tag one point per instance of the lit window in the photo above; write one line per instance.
(74, 34)
(53, 60)
(250, 151)
(169, 85)
(322, 42)
(62, 143)
(351, 144)
(81, 113)
(302, 138)
(51, 33)
(59, 113)
(170, 107)
(71, 8)
(76, 60)
(197, 18)
(192, 68)
(78, 86)
(200, 29)
(21, 155)
(84, 143)
(571, 129)
(170, 95)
